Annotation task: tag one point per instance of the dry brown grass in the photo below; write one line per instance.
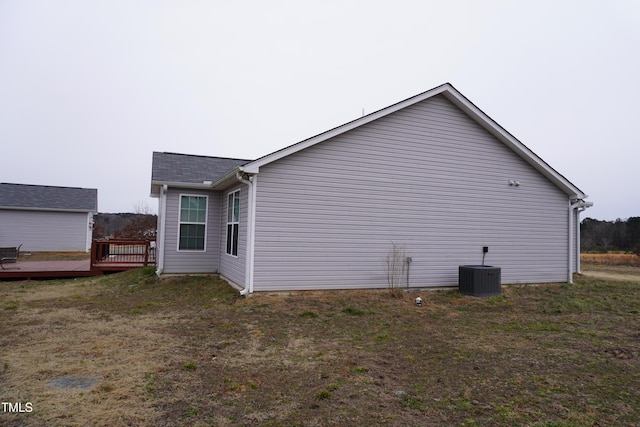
(611, 259)
(190, 351)
(59, 336)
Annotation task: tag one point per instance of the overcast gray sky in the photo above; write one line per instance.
(88, 89)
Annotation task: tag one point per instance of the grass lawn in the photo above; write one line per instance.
(131, 350)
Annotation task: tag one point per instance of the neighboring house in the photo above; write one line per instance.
(432, 174)
(45, 218)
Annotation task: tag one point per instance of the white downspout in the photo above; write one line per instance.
(161, 233)
(576, 231)
(252, 230)
(574, 210)
(89, 239)
(571, 221)
(251, 217)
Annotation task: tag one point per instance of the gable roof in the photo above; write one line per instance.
(188, 170)
(44, 197)
(460, 101)
(221, 178)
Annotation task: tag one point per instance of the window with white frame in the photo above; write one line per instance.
(193, 223)
(233, 221)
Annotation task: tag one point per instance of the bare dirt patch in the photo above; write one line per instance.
(628, 272)
(190, 351)
(612, 276)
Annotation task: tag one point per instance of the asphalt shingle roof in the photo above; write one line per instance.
(173, 167)
(48, 197)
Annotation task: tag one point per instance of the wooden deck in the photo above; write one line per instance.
(54, 269)
(111, 256)
(48, 269)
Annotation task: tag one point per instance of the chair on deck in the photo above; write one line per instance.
(9, 255)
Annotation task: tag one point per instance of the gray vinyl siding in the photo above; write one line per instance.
(426, 177)
(206, 261)
(232, 267)
(44, 231)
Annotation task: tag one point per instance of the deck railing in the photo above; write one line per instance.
(118, 253)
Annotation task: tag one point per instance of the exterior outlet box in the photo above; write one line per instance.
(479, 280)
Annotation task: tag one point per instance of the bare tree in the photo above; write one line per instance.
(142, 207)
(396, 268)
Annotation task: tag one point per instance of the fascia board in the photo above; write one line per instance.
(217, 185)
(230, 177)
(461, 102)
(254, 167)
(510, 141)
(193, 185)
(20, 208)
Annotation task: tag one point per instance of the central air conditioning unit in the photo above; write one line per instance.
(479, 280)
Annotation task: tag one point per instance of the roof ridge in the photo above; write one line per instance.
(46, 186)
(201, 155)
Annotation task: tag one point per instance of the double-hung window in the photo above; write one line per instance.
(233, 220)
(193, 223)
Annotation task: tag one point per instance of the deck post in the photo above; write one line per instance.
(94, 252)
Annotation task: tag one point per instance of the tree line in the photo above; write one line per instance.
(603, 236)
(125, 226)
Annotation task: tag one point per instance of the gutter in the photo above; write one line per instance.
(192, 185)
(251, 182)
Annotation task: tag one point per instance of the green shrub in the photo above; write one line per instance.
(11, 305)
(189, 366)
(309, 314)
(353, 311)
(323, 395)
